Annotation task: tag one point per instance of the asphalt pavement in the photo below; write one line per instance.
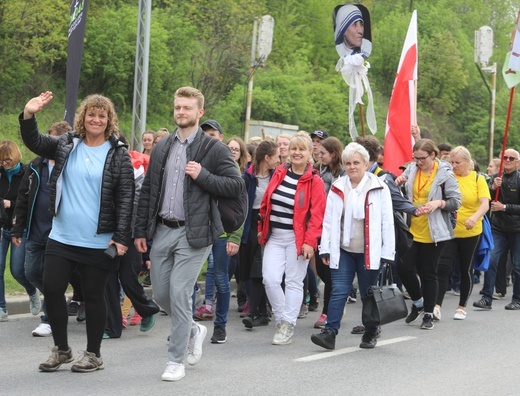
(476, 356)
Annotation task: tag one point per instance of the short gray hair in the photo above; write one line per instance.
(353, 148)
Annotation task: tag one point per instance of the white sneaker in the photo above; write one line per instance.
(284, 334)
(195, 345)
(43, 330)
(3, 315)
(35, 303)
(173, 372)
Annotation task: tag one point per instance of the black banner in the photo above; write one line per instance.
(77, 25)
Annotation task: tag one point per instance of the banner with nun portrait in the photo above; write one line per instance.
(353, 40)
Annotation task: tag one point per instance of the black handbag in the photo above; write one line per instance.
(384, 302)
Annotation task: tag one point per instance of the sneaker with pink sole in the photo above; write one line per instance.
(245, 310)
(204, 312)
(136, 319)
(321, 322)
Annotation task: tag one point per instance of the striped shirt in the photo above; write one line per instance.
(282, 201)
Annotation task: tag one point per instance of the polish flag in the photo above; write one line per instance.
(403, 105)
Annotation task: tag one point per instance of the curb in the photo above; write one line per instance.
(17, 305)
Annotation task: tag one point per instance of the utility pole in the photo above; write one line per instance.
(142, 56)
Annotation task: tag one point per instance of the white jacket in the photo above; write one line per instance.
(379, 223)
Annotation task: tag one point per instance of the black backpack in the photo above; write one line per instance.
(233, 211)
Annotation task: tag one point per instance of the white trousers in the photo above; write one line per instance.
(281, 257)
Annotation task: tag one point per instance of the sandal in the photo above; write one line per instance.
(460, 314)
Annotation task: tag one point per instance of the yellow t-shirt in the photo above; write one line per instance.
(421, 188)
(471, 190)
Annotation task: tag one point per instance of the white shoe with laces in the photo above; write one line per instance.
(173, 372)
(195, 345)
(43, 330)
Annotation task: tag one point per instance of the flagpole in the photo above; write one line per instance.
(362, 119)
(506, 133)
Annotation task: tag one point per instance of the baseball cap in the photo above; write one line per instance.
(211, 124)
(320, 133)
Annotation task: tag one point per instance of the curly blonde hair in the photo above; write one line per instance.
(96, 101)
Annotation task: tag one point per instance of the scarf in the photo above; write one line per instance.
(354, 208)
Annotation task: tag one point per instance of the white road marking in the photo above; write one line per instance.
(343, 351)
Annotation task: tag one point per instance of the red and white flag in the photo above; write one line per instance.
(403, 105)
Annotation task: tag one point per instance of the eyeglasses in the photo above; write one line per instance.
(6, 161)
(508, 158)
(235, 149)
(420, 159)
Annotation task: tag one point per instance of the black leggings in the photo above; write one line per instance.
(56, 276)
(461, 252)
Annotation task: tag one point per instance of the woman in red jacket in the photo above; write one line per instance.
(291, 216)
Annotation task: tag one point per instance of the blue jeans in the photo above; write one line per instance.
(17, 264)
(209, 291)
(34, 257)
(221, 279)
(350, 264)
(503, 242)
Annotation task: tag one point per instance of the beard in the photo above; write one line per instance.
(186, 122)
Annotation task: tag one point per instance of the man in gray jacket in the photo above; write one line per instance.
(177, 211)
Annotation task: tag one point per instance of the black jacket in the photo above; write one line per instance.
(219, 176)
(508, 220)
(117, 188)
(23, 211)
(9, 191)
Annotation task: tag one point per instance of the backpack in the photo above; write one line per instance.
(233, 211)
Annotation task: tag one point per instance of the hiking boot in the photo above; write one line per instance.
(369, 340)
(483, 303)
(56, 359)
(414, 314)
(326, 339)
(219, 335)
(89, 362)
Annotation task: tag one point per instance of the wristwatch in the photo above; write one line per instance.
(504, 208)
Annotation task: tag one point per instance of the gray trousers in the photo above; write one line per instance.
(174, 270)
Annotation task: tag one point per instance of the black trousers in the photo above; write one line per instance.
(56, 275)
(422, 259)
(127, 278)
